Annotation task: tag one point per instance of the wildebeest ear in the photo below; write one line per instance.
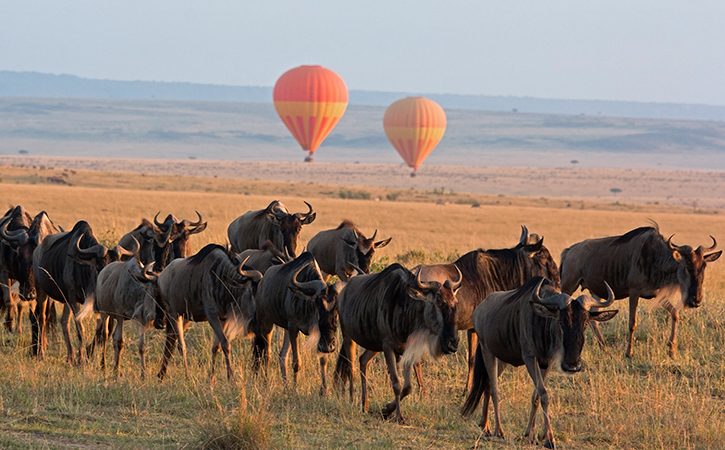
(676, 255)
(710, 257)
(543, 311)
(308, 219)
(416, 293)
(383, 243)
(603, 316)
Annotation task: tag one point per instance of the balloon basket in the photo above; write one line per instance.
(412, 174)
(308, 159)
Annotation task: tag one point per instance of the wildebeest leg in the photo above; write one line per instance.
(364, 360)
(215, 347)
(220, 339)
(102, 335)
(180, 329)
(117, 344)
(535, 400)
(79, 330)
(395, 381)
(472, 344)
(38, 322)
(22, 306)
(675, 315)
(538, 378)
(323, 374)
(418, 369)
(65, 326)
(283, 353)
(7, 299)
(141, 341)
(293, 340)
(169, 346)
(491, 364)
(407, 388)
(633, 301)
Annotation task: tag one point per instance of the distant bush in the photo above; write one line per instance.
(354, 195)
(392, 196)
(615, 190)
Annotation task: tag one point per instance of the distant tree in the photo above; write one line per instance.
(615, 190)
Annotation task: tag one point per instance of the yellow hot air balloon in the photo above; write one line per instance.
(310, 100)
(414, 126)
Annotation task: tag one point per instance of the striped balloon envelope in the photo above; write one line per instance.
(414, 126)
(310, 100)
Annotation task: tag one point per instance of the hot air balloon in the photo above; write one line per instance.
(310, 100)
(414, 125)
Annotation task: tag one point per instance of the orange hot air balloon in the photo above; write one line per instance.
(414, 125)
(310, 100)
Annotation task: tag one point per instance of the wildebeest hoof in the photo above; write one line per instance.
(550, 444)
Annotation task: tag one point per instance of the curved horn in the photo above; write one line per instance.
(96, 251)
(125, 252)
(156, 220)
(670, 244)
(308, 217)
(558, 300)
(537, 291)
(199, 220)
(307, 286)
(524, 235)
(375, 233)
(714, 244)
(147, 272)
(459, 281)
(421, 284)
(16, 237)
(252, 274)
(593, 301)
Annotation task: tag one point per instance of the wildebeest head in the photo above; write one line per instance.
(325, 300)
(572, 316)
(691, 264)
(543, 263)
(363, 248)
(441, 319)
(290, 225)
(173, 241)
(244, 286)
(21, 240)
(182, 230)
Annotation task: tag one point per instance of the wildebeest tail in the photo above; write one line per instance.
(343, 367)
(259, 348)
(479, 385)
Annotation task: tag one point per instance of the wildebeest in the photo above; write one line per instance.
(639, 263)
(208, 286)
(294, 296)
(396, 313)
(125, 290)
(537, 326)
(342, 250)
(19, 236)
(65, 266)
(263, 258)
(273, 223)
(487, 271)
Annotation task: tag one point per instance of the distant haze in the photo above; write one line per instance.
(649, 50)
(39, 85)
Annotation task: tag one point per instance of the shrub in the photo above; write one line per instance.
(354, 195)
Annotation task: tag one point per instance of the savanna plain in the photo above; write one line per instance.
(649, 401)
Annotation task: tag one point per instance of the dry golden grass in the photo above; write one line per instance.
(650, 401)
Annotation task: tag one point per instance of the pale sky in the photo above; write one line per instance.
(663, 50)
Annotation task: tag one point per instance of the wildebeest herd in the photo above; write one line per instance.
(516, 304)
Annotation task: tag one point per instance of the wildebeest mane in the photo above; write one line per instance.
(346, 223)
(199, 257)
(628, 236)
(486, 271)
